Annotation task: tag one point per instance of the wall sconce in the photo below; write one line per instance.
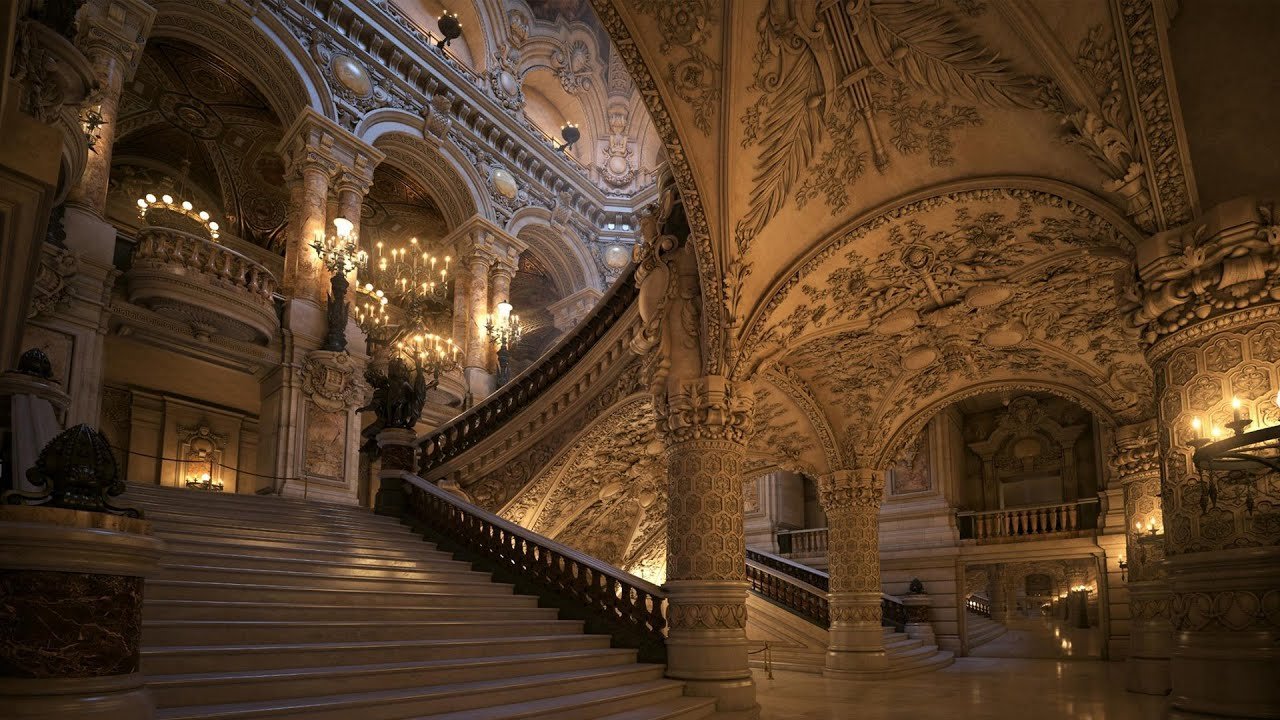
(450, 28)
(1124, 569)
(571, 134)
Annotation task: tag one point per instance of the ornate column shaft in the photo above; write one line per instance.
(112, 35)
(1209, 296)
(308, 177)
(705, 424)
(478, 262)
(1136, 464)
(851, 500)
(999, 594)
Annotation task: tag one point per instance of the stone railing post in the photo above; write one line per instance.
(918, 625)
(1209, 309)
(64, 652)
(851, 500)
(397, 449)
(705, 424)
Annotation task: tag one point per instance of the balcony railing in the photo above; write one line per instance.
(1029, 523)
(212, 288)
(811, 541)
(978, 604)
(609, 600)
(478, 423)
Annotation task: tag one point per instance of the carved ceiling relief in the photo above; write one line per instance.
(953, 290)
(837, 86)
(189, 119)
(782, 437)
(688, 29)
(910, 474)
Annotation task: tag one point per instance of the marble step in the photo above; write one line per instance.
(438, 581)
(935, 659)
(640, 698)
(238, 632)
(900, 643)
(680, 708)
(451, 698)
(247, 658)
(185, 496)
(511, 607)
(260, 685)
(316, 530)
(280, 550)
(265, 511)
(165, 589)
(407, 546)
(329, 566)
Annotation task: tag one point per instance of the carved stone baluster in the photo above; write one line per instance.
(1072, 518)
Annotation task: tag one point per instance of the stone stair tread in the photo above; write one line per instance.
(253, 605)
(201, 497)
(424, 565)
(475, 577)
(419, 694)
(681, 707)
(215, 511)
(354, 645)
(354, 623)
(409, 543)
(181, 543)
(214, 526)
(556, 704)
(258, 587)
(213, 678)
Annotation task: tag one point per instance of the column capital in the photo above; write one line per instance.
(357, 180)
(314, 139)
(1191, 277)
(705, 408)
(478, 234)
(848, 489)
(116, 27)
(1136, 454)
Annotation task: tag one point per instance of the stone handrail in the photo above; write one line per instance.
(164, 247)
(471, 427)
(810, 541)
(978, 604)
(803, 589)
(1031, 522)
(631, 610)
(807, 601)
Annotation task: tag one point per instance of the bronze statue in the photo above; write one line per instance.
(397, 399)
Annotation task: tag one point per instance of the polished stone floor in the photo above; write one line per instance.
(1047, 638)
(971, 689)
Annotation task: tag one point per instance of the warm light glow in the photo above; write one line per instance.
(504, 310)
(1195, 426)
(1235, 403)
(343, 227)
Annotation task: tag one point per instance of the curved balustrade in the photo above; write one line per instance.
(470, 428)
(803, 589)
(631, 610)
(803, 573)
(1029, 523)
(979, 605)
(212, 288)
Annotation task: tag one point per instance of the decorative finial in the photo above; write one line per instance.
(78, 472)
(35, 362)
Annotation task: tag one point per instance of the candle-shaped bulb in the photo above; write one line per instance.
(343, 227)
(1195, 427)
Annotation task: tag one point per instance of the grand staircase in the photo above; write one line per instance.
(274, 608)
(980, 630)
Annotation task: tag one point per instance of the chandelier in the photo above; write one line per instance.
(433, 353)
(408, 275)
(166, 202)
(1234, 464)
(505, 331)
(371, 312)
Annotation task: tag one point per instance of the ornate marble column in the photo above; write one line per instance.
(478, 261)
(851, 500)
(112, 34)
(307, 171)
(705, 423)
(1136, 465)
(1209, 295)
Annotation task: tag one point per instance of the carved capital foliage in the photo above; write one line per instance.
(50, 73)
(707, 408)
(1136, 455)
(53, 289)
(1226, 261)
(332, 380)
(850, 489)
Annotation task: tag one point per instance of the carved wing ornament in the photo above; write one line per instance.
(826, 69)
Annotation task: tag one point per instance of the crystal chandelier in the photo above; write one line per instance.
(1235, 464)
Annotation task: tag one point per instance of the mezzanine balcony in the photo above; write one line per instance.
(1077, 518)
(207, 286)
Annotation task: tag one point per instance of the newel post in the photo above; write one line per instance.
(398, 449)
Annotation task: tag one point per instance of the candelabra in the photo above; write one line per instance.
(505, 331)
(1235, 463)
(341, 254)
(413, 279)
(433, 353)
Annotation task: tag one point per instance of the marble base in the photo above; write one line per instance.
(114, 697)
(707, 648)
(1150, 638)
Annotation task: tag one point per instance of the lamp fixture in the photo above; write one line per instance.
(571, 134)
(341, 254)
(204, 481)
(435, 354)
(450, 28)
(1235, 464)
(1124, 569)
(504, 331)
(164, 201)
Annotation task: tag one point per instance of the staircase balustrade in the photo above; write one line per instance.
(470, 428)
(609, 600)
(811, 541)
(978, 604)
(1029, 523)
(803, 573)
(803, 590)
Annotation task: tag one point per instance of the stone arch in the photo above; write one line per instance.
(459, 191)
(1086, 398)
(573, 265)
(258, 46)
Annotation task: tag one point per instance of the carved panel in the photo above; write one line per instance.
(326, 443)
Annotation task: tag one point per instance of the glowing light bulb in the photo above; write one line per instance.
(213, 226)
(343, 226)
(168, 199)
(1195, 425)
(204, 216)
(186, 205)
(142, 203)
(151, 198)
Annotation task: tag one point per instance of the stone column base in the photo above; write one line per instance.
(1225, 608)
(114, 697)
(707, 644)
(856, 636)
(1150, 638)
